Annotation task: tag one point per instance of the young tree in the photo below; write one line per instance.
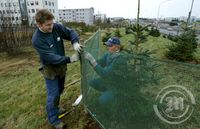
(117, 33)
(140, 67)
(183, 50)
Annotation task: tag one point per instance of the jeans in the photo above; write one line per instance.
(54, 90)
(107, 95)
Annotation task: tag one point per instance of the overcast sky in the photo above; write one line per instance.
(128, 8)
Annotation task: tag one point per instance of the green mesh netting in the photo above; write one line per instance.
(141, 93)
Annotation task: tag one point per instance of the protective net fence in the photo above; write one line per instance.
(137, 92)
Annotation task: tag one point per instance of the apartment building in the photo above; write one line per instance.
(101, 17)
(85, 15)
(15, 12)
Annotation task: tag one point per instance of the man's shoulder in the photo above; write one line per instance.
(58, 26)
(37, 37)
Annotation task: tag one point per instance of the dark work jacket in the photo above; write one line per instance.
(50, 48)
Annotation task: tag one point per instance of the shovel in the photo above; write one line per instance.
(76, 103)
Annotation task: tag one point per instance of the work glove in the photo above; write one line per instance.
(90, 58)
(74, 58)
(78, 47)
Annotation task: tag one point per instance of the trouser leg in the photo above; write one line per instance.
(98, 84)
(61, 84)
(53, 98)
(106, 95)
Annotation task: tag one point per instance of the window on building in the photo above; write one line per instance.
(53, 11)
(49, 3)
(28, 3)
(1, 4)
(36, 3)
(29, 11)
(0, 12)
(17, 18)
(52, 3)
(45, 2)
(33, 10)
(32, 3)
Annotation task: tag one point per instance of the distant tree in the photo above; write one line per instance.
(108, 20)
(106, 36)
(185, 47)
(154, 32)
(117, 33)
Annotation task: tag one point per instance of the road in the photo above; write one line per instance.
(174, 33)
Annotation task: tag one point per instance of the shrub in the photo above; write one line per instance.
(117, 33)
(154, 32)
(184, 48)
(106, 36)
(173, 38)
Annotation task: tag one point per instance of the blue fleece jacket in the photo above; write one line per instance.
(110, 66)
(50, 45)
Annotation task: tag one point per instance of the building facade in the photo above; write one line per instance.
(101, 17)
(14, 12)
(85, 15)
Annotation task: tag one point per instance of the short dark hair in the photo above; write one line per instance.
(43, 15)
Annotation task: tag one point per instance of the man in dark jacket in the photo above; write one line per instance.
(48, 41)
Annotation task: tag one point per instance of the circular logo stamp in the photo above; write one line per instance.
(174, 104)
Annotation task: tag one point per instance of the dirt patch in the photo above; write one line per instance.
(90, 123)
(14, 64)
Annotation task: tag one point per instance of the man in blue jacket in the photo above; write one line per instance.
(48, 41)
(111, 70)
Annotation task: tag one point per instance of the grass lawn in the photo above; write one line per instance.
(23, 92)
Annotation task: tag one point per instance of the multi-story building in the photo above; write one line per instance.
(85, 15)
(101, 17)
(114, 19)
(15, 12)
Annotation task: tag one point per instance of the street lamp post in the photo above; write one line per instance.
(189, 15)
(157, 21)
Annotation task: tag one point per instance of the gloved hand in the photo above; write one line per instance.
(74, 58)
(90, 58)
(78, 47)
